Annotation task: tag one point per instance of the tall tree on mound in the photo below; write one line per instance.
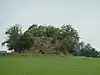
(17, 41)
(26, 41)
(69, 38)
(13, 33)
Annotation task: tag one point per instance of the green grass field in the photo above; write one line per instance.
(48, 65)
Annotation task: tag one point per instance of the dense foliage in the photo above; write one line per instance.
(49, 39)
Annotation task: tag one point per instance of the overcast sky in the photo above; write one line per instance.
(84, 15)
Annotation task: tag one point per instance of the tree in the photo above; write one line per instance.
(13, 33)
(79, 47)
(87, 50)
(26, 41)
(17, 40)
(69, 38)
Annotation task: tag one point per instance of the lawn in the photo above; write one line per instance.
(48, 65)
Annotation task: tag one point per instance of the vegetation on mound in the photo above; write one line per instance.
(47, 39)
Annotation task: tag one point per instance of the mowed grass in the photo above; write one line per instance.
(48, 65)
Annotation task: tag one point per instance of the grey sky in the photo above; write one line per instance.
(84, 15)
